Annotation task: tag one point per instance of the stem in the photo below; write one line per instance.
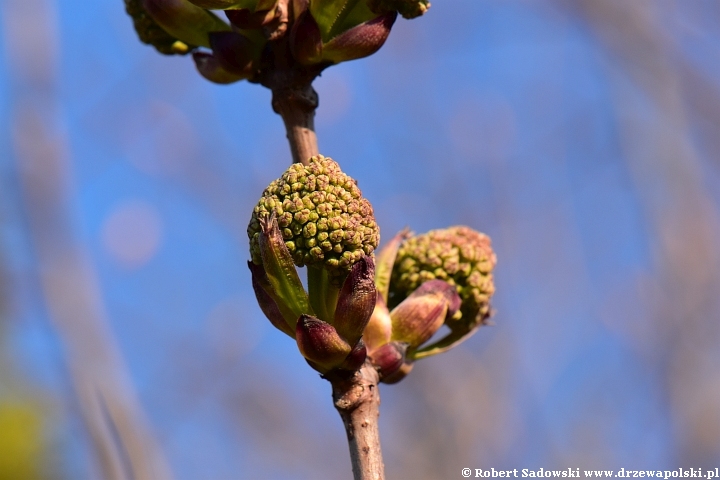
(317, 286)
(451, 340)
(297, 107)
(357, 399)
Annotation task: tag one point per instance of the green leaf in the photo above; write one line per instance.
(279, 314)
(336, 16)
(185, 21)
(280, 269)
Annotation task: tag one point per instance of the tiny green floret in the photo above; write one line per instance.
(458, 255)
(324, 220)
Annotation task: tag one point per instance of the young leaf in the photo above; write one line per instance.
(280, 269)
(185, 21)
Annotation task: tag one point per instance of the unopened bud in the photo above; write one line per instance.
(360, 41)
(378, 331)
(356, 300)
(305, 41)
(209, 67)
(458, 255)
(320, 343)
(389, 358)
(234, 52)
(356, 358)
(419, 316)
(399, 374)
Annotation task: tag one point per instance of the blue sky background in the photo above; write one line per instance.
(581, 136)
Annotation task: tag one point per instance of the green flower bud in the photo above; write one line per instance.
(325, 221)
(458, 255)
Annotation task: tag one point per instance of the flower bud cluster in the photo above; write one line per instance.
(458, 255)
(322, 215)
(314, 215)
(443, 277)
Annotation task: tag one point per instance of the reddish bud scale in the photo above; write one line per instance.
(419, 316)
(356, 300)
(320, 343)
(389, 358)
(305, 40)
(233, 51)
(360, 41)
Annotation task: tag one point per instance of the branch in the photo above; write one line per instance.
(296, 105)
(357, 399)
(113, 415)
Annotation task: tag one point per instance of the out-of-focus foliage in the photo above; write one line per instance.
(21, 440)
(23, 426)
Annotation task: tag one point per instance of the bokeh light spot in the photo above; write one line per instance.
(132, 233)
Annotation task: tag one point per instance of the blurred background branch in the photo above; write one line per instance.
(114, 419)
